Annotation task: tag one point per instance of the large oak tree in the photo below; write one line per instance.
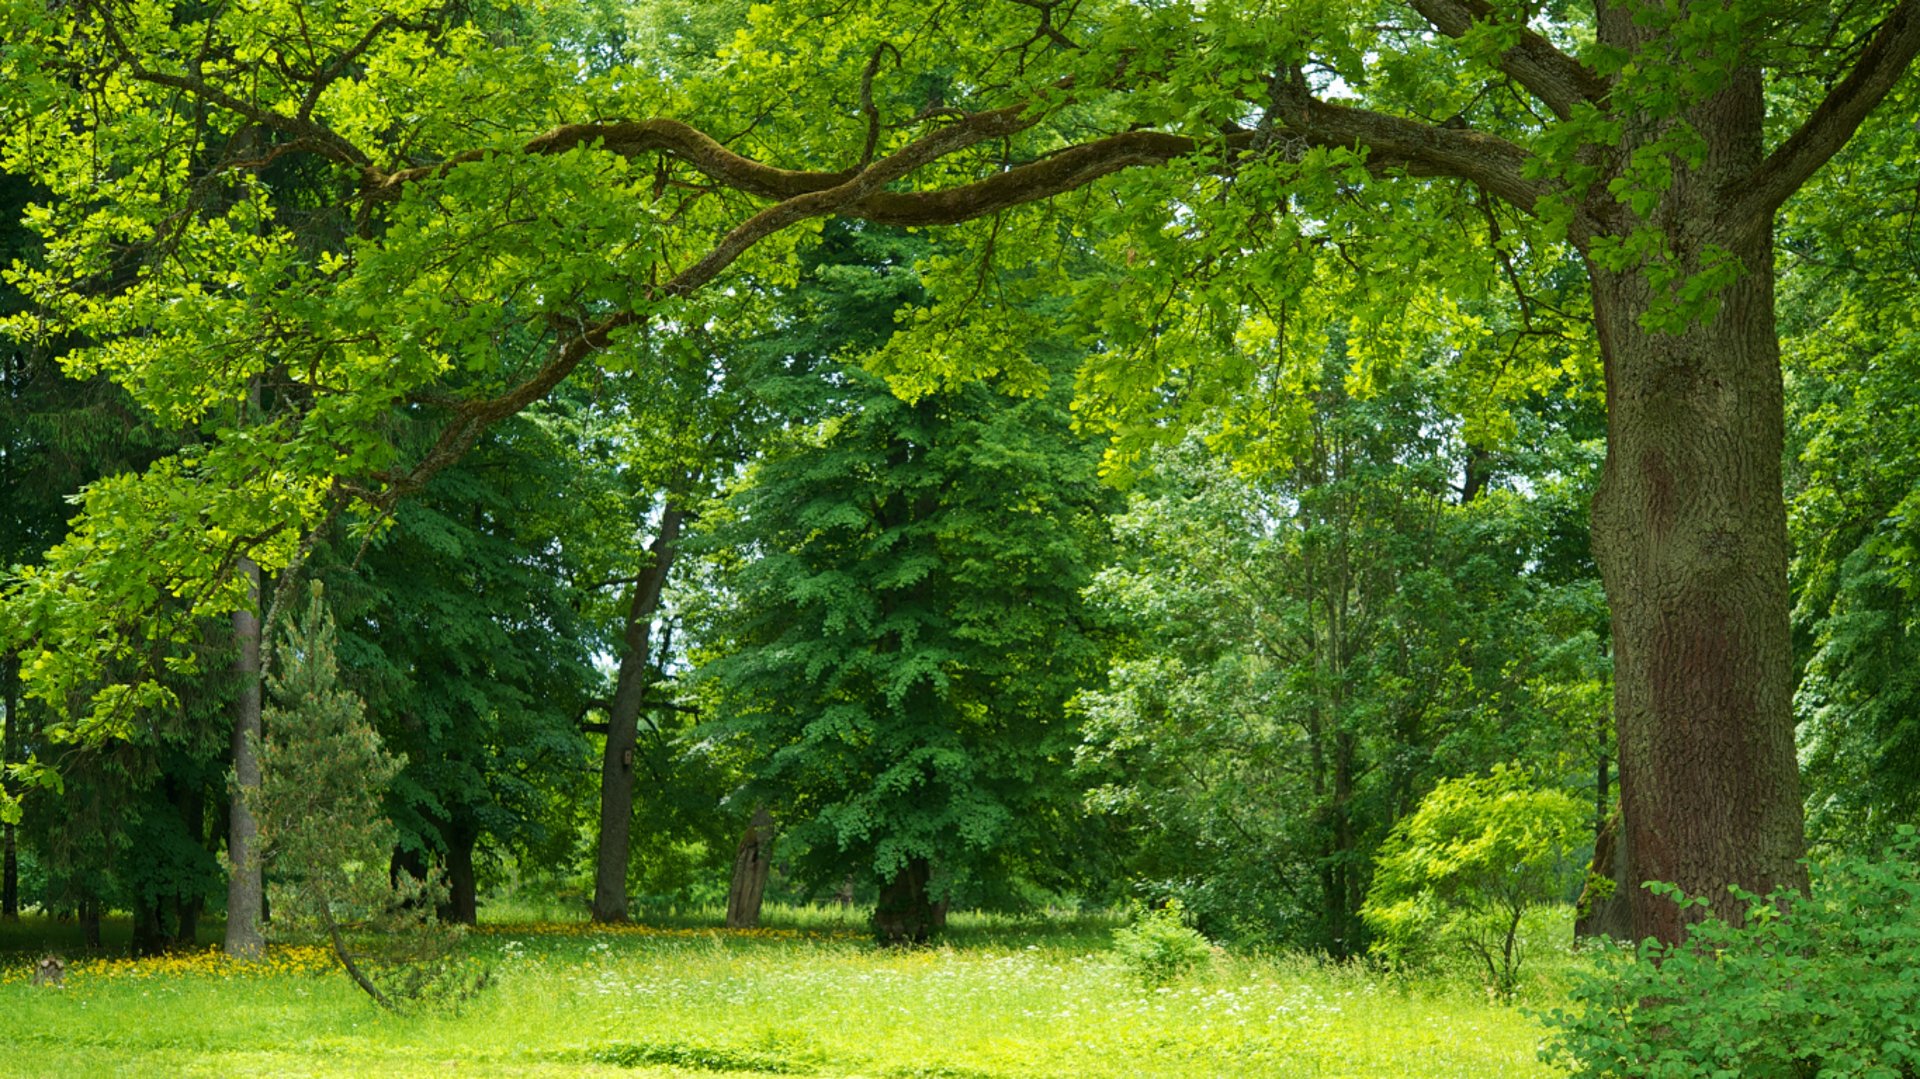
(534, 180)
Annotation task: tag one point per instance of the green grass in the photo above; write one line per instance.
(1000, 997)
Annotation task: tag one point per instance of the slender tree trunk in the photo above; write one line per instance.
(751, 865)
(191, 801)
(244, 886)
(345, 957)
(623, 724)
(1689, 529)
(90, 921)
(149, 937)
(1349, 892)
(1603, 911)
(9, 855)
(186, 920)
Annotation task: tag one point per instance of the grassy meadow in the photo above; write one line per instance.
(808, 995)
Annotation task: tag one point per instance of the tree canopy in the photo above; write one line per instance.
(295, 233)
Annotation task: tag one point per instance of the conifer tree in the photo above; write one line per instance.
(323, 774)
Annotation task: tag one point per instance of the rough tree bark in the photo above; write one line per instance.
(244, 887)
(751, 865)
(623, 723)
(1690, 533)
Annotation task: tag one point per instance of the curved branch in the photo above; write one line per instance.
(631, 138)
(1886, 58)
(1557, 79)
(475, 417)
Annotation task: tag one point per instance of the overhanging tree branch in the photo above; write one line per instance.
(1894, 45)
(1549, 74)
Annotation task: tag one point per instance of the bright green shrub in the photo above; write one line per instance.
(1158, 946)
(1827, 986)
(1458, 874)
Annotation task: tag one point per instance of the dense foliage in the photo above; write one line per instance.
(1279, 464)
(1308, 650)
(1459, 873)
(904, 633)
(1821, 985)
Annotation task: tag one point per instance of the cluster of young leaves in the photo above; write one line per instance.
(1157, 946)
(1459, 872)
(1814, 985)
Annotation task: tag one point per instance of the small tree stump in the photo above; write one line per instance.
(51, 970)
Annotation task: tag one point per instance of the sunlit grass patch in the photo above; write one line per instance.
(997, 999)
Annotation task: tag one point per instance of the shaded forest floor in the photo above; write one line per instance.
(806, 996)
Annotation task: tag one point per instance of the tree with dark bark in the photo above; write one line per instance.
(1654, 144)
(619, 764)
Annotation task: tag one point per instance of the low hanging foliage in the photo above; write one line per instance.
(1823, 985)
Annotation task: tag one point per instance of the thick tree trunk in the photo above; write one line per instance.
(623, 724)
(244, 885)
(463, 899)
(751, 865)
(904, 913)
(1689, 529)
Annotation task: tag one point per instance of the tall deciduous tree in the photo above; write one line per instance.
(902, 623)
(1849, 334)
(1308, 650)
(1656, 143)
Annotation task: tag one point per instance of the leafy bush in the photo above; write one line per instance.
(1158, 946)
(1460, 872)
(1827, 986)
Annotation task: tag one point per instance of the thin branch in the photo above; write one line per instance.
(325, 140)
(346, 960)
